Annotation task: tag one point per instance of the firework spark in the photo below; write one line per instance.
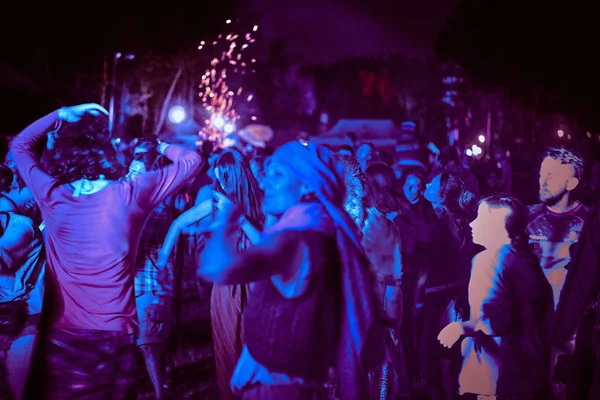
(220, 86)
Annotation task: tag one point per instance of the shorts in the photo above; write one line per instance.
(91, 365)
(155, 316)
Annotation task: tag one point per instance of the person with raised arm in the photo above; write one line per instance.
(312, 305)
(93, 226)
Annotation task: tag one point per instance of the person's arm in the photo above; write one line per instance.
(274, 254)
(581, 284)
(189, 217)
(397, 260)
(20, 250)
(24, 147)
(153, 188)
(250, 230)
(497, 309)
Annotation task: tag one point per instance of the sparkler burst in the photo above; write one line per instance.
(221, 84)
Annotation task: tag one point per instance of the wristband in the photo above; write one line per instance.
(161, 147)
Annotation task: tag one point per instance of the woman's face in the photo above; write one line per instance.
(413, 189)
(217, 172)
(282, 189)
(432, 190)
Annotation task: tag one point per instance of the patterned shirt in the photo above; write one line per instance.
(152, 239)
(552, 235)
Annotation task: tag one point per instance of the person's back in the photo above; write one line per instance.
(525, 347)
(93, 227)
(513, 302)
(92, 244)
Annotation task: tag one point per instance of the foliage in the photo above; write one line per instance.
(536, 52)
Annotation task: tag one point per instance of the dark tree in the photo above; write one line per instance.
(540, 53)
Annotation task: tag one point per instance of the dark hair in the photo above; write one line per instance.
(458, 208)
(259, 161)
(83, 150)
(6, 178)
(239, 184)
(379, 188)
(568, 157)
(151, 158)
(515, 222)
(416, 172)
(347, 148)
(455, 196)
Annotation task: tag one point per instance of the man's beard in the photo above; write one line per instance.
(552, 200)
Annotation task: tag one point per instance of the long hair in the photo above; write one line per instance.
(455, 197)
(515, 222)
(239, 184)
(354, 188)
(151, 158)
(457, 208)
(259, 162)
(380, 190)
(82, 150)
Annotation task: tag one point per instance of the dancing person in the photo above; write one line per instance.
(154, 302)
(236, 185)
(506, 348)
(446, 280)
(93, 227)
(382, 243)
(312, 301)
(22, 265)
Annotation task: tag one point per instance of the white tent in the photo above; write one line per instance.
(380, 132)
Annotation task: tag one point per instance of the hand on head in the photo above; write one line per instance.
(75, 113)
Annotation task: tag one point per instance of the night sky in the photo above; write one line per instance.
(48, 42)
(64, 35)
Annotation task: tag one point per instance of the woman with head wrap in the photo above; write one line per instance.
(312, 305)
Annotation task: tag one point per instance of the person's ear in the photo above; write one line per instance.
(572, 183)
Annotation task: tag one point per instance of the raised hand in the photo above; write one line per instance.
(75, 113)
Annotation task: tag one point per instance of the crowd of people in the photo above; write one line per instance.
(334, 274)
